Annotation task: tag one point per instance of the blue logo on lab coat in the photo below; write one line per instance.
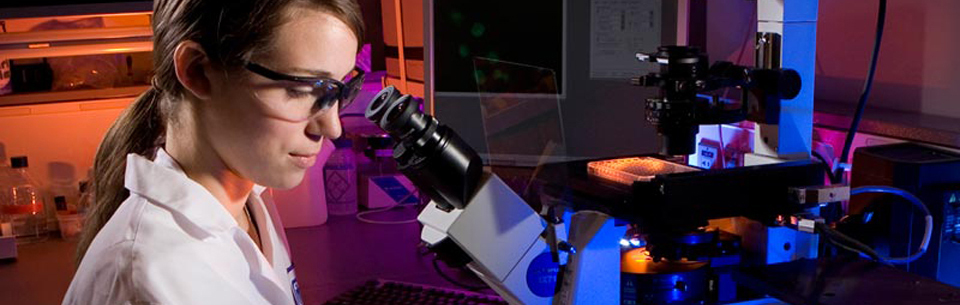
(297, 299)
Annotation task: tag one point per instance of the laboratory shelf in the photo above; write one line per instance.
(72, 95)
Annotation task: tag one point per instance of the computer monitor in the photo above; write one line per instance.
(584, 48)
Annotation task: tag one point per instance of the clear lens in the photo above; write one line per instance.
(352, 88)
(301, 98)
(297, 100)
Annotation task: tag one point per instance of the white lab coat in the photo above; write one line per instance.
(172, 242)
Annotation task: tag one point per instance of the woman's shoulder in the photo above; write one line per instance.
(145, 253)
(148, 236)
(140, 226)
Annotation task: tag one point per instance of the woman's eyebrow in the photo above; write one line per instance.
(313, 73)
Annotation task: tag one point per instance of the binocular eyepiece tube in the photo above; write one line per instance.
(430, 154)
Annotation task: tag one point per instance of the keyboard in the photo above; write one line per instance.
(383, 292)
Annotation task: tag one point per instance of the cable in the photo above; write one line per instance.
(847, 243)
(826, 165)
(723, 153)
(840, 245)
(436, 267)
(928, 218)
(384, 209)
(751, 32)
(868, 84)
(835, 237)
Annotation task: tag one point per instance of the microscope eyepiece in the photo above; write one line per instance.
(398, 116)
(434, 157)
(378, 105)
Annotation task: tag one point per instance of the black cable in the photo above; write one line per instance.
(832, 210)
(848, 242)
(826, 165)
(881, 19)
(446, 277)
(841, 246)
(746, 44)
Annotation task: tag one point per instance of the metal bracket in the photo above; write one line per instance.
(820, 194)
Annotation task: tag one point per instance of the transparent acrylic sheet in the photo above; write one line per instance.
(521, 114)
(520, 110)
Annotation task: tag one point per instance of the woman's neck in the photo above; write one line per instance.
(201, 163)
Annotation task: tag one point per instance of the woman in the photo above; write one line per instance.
(244, 94)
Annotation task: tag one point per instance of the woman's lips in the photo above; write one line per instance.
(304, 160)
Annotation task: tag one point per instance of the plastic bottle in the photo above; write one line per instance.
(25, 208)
(340, 179)
(72, 225)
(68, 221)
(6, 176)
(6, 180)
(86, 197)
(68, 189)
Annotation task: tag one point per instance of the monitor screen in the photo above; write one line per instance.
(529, 32)
(515, 78)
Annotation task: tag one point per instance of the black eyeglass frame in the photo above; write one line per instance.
(345, 95)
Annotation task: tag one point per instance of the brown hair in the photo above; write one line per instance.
(230, 32)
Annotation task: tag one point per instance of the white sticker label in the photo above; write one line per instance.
(618, 30)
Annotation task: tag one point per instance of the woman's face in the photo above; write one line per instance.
(246, 121)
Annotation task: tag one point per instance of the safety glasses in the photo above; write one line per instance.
(309, 94)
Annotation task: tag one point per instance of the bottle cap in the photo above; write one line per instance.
(342, 142)
(60, 202)
(18, 162)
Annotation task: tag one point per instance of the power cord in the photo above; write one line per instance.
(868, 84)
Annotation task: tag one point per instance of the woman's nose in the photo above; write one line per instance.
(325, 123)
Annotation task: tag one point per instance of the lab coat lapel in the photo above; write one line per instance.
(264, 225)
(274, 245)
(164, 183)
(261, 270)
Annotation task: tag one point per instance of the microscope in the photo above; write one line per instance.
(538, 257)
(476, 220)
(644, 229)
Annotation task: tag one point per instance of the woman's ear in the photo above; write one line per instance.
(191, 64)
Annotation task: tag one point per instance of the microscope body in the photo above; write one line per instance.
(500, 234)
(504, 241)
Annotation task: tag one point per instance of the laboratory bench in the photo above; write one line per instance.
(329, 259)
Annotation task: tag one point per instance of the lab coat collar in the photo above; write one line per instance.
(164, 183)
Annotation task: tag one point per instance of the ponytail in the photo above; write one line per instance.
(138, 130)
